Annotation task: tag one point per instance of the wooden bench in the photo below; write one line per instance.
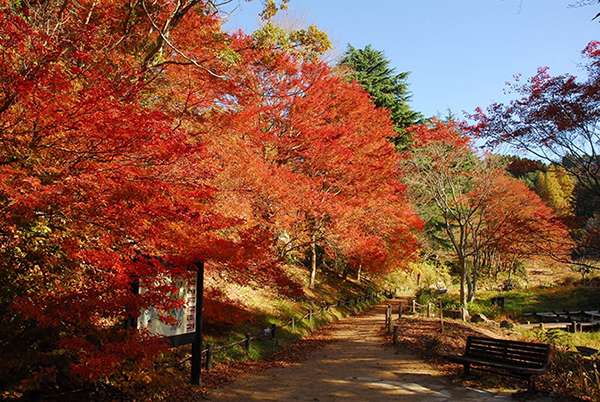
(523, 360)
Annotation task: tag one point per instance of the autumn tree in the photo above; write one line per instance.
(477, 204)
(92, 179)
(139, 139)
(328, 169)
(519, 226)
(105, 184)
(440, 173)
(524, 169)
(556, 188)
(555, 119)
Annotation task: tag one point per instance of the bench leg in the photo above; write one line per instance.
(531, 384)
(467, 371)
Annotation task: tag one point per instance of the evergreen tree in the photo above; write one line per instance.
(388, 89)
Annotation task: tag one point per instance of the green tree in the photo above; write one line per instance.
(388, 89)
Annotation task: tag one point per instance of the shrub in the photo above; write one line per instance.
(510, 284)
(430, 295)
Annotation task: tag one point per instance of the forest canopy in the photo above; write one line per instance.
(140, 140)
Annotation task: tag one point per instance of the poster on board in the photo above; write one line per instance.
(184, 317)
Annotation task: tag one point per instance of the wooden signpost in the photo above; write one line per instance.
(188, 329)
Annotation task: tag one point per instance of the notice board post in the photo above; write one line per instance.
(197, 343)
(188, 318)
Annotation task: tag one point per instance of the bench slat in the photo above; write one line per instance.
(515, 358)
(489, 342)
(508, 354)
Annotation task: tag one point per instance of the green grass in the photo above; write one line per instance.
(539, 299)
(558, 298)
(564, 339)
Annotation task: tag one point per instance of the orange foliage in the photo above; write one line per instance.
(120, 143)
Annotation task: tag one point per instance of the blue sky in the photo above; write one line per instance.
(460, 52)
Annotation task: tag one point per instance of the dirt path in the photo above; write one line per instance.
(356, 366)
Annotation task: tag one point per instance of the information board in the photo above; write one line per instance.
(175, 322)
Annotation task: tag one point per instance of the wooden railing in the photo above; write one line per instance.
(428, 310)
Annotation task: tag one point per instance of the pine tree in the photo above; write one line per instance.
(388, 89)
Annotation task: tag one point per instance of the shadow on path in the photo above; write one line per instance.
(355, 366)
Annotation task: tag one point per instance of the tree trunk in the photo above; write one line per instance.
(313, 267)
(473, 287)
(469, 285)
(474, 278)
(345, 272)
(464, 276)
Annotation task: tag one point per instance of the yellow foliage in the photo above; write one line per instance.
(555, 187)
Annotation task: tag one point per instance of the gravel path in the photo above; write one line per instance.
(356, 366)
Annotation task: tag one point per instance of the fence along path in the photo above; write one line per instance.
(356, 366)
(210, 350)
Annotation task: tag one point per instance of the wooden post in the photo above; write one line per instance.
(209, 357)
(310, 315)
(441, 316)
(273, 331)
(390, 322)
(293, 324)
(248, 341)
(196, 358)
(395, 334)
(388, 314)
(196, 361)
(414, 306)
(428, 310)
(400, 310)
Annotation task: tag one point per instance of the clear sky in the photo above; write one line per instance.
(460, 52)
